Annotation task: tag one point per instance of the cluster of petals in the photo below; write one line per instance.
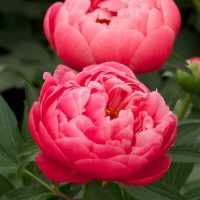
(101, 124)
(137, 33)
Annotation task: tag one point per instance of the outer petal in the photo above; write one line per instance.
(57, 172)
(102, 169)
(33, 123)
(74, 149)
(49, 22)
(153, 51)
(149, 174)
(155, 20)
(78, 4)
(171, 14)
(115, 45)
(72, 47)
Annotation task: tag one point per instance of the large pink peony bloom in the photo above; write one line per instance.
(101, 124)
(137, 33)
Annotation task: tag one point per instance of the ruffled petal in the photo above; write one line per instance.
(58, 172)
(72, 47)
(149, 174)
(152, 53)
(102, 169)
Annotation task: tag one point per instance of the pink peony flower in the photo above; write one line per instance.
(137, 33)
(103, 124)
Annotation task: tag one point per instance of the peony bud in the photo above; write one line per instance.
(190, 82)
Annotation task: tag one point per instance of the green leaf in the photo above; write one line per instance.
(5, 185)
(27, 193)
(10, 143)
(155, 191)
(192, 191)
(188, 135)
(31, 93)
(171, 92)
(185, 155)
(93, 191)
(178, 174)
(115, 190)
(72, 190)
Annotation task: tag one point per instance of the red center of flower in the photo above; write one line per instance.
(103, 21)
(113, 113)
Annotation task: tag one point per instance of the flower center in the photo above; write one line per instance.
(113, 113)
(103, 21)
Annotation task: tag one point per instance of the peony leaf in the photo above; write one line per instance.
(93, 191)
(178, 174)
(191, 190)
(5, 185)
(27, 193)
(188, 135)
(156, 191)
(31, 94)
(10, 143)
(185, 155)
(115, 190)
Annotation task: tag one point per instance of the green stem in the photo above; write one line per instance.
(185, 106)
(56, 192)
(38, 180)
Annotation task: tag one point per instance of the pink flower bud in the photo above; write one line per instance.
(139, 33)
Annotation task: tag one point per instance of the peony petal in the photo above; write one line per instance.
(119, 48)
(49, 22)
(90, 29)
(134, 162)
(98, 135)
(78, 4)
(82, 123)
(50, 119)
(152, 53)
(102, 169)
(69, 130)
(112, 5)
(106, 151)
(73, 101)
(73, 149)
(149, 174)
(171, 14)
(49, 147)
(63, 74)
(96, 106)
(155, 20)
(33, 122)
(72, 47)
(57, 172)
(169, 134)
(156, 107)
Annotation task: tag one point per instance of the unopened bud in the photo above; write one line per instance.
(190, 82)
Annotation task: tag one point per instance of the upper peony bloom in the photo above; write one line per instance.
(137, 33)
(103, 124)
